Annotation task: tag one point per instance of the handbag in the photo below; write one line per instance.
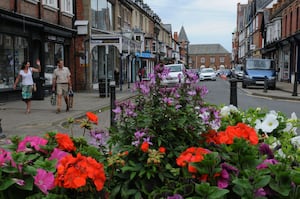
(71, 98)
(34, 87)
(53, 99)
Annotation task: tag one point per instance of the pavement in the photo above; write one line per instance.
(43, 117)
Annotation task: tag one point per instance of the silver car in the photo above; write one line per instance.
(208, 74)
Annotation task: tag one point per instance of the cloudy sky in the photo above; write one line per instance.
(204, 21)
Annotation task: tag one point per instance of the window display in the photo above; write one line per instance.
(13, 51)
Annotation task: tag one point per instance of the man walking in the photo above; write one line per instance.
(62, 82)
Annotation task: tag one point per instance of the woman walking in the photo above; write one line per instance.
(27, 82)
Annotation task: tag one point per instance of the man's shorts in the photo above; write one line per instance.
(62, 89)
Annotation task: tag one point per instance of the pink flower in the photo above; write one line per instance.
(57, 154)
(44, 180)
(19, 181)
(34, 142)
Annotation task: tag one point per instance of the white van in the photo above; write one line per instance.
(175, 75)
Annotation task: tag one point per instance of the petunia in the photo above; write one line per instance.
(44, 180)
(57, 154)
(34, 141)
(269, 123)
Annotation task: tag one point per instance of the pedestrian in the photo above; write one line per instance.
(117, 76)
(27, 82)
(141, 73)
(62, 82)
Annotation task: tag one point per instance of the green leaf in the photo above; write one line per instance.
(261, 181)
(5, 183)
(132, 175)
(283, 190)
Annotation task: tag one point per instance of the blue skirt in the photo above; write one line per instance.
(26, 92)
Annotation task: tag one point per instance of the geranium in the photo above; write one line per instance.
(92, 117)
(65, 142)
(192, 154)
(74, 172)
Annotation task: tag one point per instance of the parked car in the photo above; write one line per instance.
(175, 75)
(208, 74)
(238, 71)
(257, 71)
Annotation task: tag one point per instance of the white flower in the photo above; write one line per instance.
(281, 153)
(296, 141)
(226, 110)
(257, 125)
(269, 123)
(290, 124)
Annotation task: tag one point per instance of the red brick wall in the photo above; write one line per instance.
(290, 18)
(196, 60)
(7, 5)
(28, 8)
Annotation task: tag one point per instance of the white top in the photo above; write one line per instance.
(26, 77)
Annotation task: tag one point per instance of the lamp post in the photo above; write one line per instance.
(187, 53)
(156, 32)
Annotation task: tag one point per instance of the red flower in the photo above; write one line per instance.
(240, 130)
(162, 149)
(92, 117)
(192, 154)
(145, 147)
(65, 142)
(73, 172)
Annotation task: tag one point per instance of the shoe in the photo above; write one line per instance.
(67, 109)
(58, 110)
(2, 135)
(27, 112)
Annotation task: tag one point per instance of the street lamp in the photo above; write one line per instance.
(187, 53)
(156, 32)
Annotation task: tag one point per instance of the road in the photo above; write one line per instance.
(219, 93)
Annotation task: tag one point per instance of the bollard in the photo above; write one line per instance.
(2, 135)
(233, 92)
(295, 92)
(266, 84)
(112, 86)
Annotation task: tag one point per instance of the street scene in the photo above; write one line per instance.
(116, 99)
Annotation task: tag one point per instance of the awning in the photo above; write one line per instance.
(144, 55)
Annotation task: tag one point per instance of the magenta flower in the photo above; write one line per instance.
(44, 180)
(260, 192)
(265, 163)
(5, 157)
(19, 181)
(57, 154)
(264, 149)
(34, 142)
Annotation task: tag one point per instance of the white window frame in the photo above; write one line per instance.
(51, 3)
(67, 6)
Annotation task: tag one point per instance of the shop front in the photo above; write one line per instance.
(25, 40)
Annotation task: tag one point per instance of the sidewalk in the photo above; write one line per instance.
(43, 117)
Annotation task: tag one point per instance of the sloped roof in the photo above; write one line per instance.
(205, 49)
(182, 35)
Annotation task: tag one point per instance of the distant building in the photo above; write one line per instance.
(209, 55)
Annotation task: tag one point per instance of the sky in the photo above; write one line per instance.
(204, 21)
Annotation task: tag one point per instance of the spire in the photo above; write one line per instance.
(182, 35)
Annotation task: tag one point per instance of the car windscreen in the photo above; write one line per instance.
(264, 64)
(175, 68)
(207, 71)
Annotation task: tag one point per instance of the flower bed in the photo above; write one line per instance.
(168, 143)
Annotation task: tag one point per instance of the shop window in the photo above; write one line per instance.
(13, 52)
(53, 52)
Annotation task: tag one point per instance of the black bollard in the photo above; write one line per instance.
(233, 92)
(295, 92)
(112, 101)
(2, 135)
(266, 84)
